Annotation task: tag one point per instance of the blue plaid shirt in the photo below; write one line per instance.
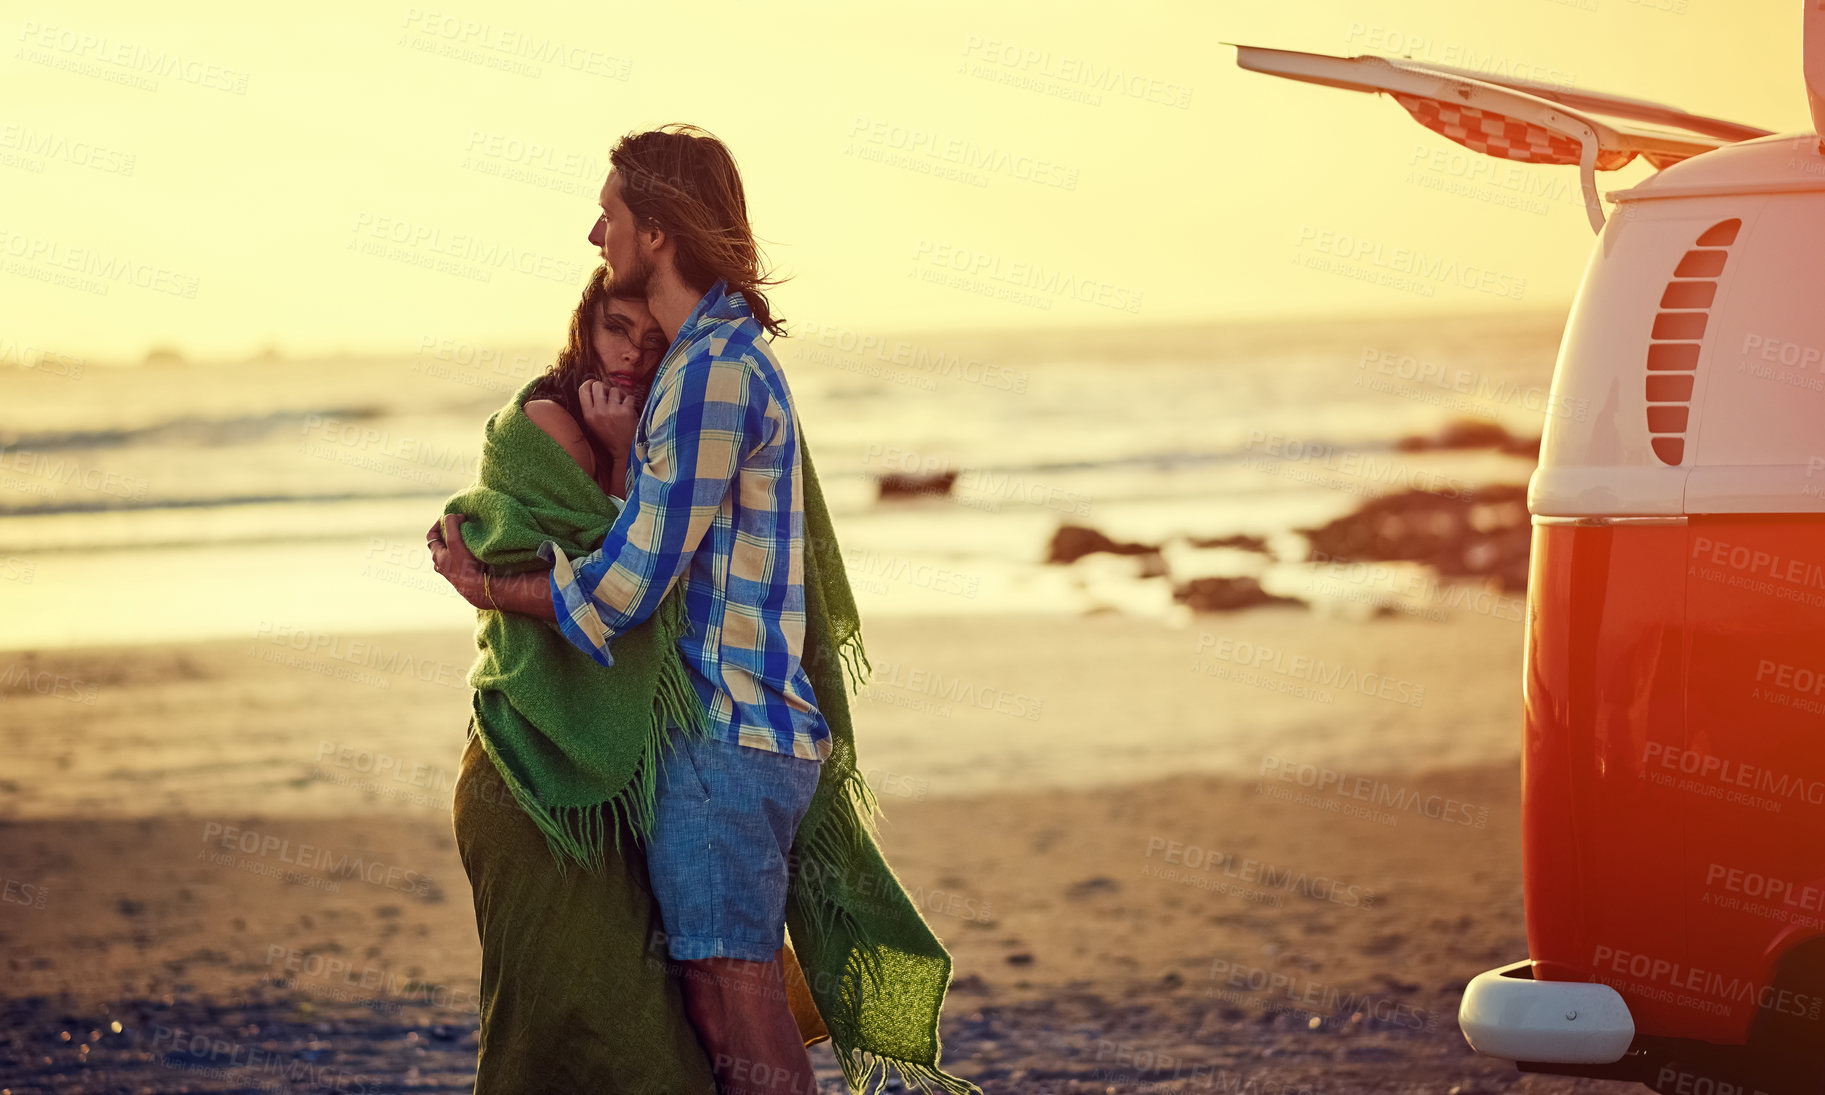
(715, 495)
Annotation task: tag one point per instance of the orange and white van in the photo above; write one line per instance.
(1673, 766)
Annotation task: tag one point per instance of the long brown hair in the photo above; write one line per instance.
(684, 180)
(577, 361)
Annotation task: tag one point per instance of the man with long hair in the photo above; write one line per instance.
(715, 496)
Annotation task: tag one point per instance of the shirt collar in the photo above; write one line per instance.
(714, 306)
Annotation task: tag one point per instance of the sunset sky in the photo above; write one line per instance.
(337, 176)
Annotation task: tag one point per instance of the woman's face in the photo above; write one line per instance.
(628, 342)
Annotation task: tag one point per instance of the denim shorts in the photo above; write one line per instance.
(723, 822)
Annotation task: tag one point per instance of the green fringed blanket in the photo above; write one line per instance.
(577, 745)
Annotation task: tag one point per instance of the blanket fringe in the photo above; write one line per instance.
(868, 1072)
(832, 839)
(580, 834)
(843, 826)
(856, 667)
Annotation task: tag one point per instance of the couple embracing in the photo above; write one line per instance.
(661, 775)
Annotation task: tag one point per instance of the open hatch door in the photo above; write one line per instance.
(1516, 119)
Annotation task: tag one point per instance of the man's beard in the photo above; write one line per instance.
(636, 279)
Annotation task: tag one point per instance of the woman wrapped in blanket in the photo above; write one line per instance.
(548, 1023)
(590, 399)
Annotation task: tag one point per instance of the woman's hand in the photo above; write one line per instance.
(610, 414)
(453, 559)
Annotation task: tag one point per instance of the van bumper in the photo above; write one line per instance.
(1506, 1013)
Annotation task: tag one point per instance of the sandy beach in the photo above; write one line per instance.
(1171, 845)
(1132, 910)
(1174, 417)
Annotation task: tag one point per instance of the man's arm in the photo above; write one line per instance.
(695, 444)
(528, 593)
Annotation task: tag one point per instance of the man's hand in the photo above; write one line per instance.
(610, 414)
(527, 593)
(452, 559)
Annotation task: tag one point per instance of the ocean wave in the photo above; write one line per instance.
(113, 505)
(184, 430)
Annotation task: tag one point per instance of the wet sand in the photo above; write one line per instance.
(1220, 929)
